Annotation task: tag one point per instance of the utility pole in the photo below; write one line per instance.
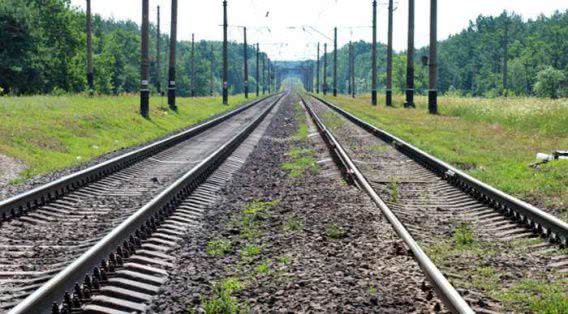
(410, 58)
(349, 59)
(353, 88)
(144, 74)
(374, 56)
(433, 60)
(158, 56)
(506, 57)
(318, 71)
(172, 69)
(389, 56)
(192, 65)
(268, 70)
(325, 69)
(90, 78)
(263, 75)
(335, 62)
(257, 69)
(246, 64)
(211, 72)
(225, 65)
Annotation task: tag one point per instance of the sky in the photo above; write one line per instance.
(290, 29)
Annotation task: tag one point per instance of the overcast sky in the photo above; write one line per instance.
(289, 29)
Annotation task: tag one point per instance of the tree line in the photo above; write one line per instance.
(42, 51)
(493, 56)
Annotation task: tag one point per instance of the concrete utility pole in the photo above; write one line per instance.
(246, 64)
(158, 55)
(268, 71)
(90, 77)
(353, 87)
(506, 57)
(264, 75)
(433, 60)
(335, 62)
(144, 73)
(192, 65)
(257, 69)
(172, 68)
(211, 72)
(389, 56)
(374, 57)
(225, 64)
(318, 71)
(325, 69)
(410, 57)
(349, 59)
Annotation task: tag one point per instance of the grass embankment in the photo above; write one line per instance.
(493, 140)
(50, 133)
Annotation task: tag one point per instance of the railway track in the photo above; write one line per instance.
(116, 213)
(426, 199)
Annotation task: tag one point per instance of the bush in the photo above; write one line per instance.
(549, 82)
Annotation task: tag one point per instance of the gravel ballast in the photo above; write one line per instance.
(282, 243)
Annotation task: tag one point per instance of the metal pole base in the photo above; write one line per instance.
(389, 98)
(172, 98)
(433, 101)
(335, 93)
(145, 104)
(225, 96)
(409, 99)
(374, 98)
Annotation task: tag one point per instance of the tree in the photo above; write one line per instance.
(549, 82)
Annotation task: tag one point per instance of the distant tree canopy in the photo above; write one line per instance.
(472, 62)
(42, 50)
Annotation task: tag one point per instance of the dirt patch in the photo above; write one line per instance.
(9, 169)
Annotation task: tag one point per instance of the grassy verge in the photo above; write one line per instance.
(494, 140)
(50, 133)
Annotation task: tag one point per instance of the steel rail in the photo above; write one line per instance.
(539, 221)
(19, 204)
(451, 298)
(53, 291)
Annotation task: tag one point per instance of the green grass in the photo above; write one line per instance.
(464, 235)
(250, 251)
(53, 132)
(293, 224)
(218, 247)
(222, 301)
(493, 140)
(335, 232)
(300, 115)
(301, 161)
(394, 194)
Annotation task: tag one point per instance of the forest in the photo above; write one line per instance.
(42, 51)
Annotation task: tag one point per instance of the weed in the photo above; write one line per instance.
(293, 224)
(464, 235)
(394, 195)
(536, 296)
(263, 268)
(250, 251)
(222, 301)
(372, 290)
(218, 247)
(284, 259)
(377, 148)
(301, 161)
(335, 232)
(300, 115)
(259, 207)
